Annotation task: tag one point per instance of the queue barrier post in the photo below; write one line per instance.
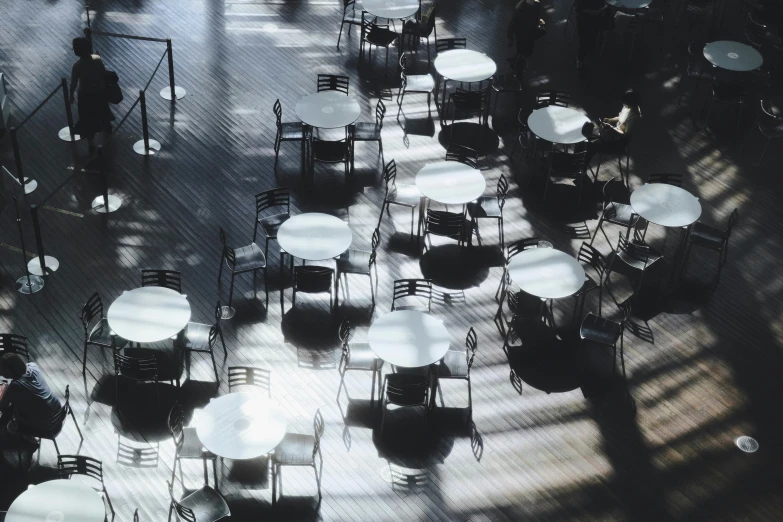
(66, 133)
(105, 203)
(145, 146)
(27, 284)
(27, 184)
(42, 265)
(172, 92)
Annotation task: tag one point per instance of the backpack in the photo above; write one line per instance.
(113, 91)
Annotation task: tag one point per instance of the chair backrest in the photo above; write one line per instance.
(403, 72)
(502, 190)
(390, 175)
(669, 179)
(332, 82)
(634, 249)
(318, 431)
(248, 376)
(276, 197)
(313, 279)
(406, 389)
(12, 343)
(554, 97)
(345, 332)
(471, 343)
(428, 20)
(412, 288)
(518, 246)
(136, 368)
(228, 253)
(447, 44)
(330, 151)
(170, 279)
(470, 101)
(184, 513)
(176, 423)
(568, 164)
(380, 112)
(349, 6)
(69, 465)
(374, 242)
(590, 256)
(611, 189)
(462, 154)
(278, 110)
(92, 308)
(444, 223)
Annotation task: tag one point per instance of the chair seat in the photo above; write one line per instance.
(249, 257)
(402, 194)
(354, 262)
(506, 83)
(415, 308)
(600, 330)
(102, 336)
(636, 263)
(453, 365)
(363, 358)
(195, 337)
(292, 131)
(296, 449)
(207, 505)
(380, 36)
(419, 83)
(620, 214)
(191, 446)
(367, 131)
(271, 224)
(707, 236)
(587, 286)
(485, 207)
(330, 151)
(352, 19)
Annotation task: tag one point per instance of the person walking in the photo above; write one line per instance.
(525, 26)
(87, 78)
(591, 16)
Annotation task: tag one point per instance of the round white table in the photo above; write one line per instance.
(314, 237)
(149, 314)
(629, 4)
(557, 124)
(391, 9)
(409, 339)
(546, 273)
(450, 182)
(328, 110)
(57, 501)
(463, 65)
(241, 425)
(666, 205)
(733, 56)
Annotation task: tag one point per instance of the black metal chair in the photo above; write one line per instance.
(241, 260)
(769, 125)
(187, 445)
(330, 151)
(669, 179)
(313, 279)
(424, 28)
(567, 167)
(513, 249)
(510, 82)
(456, 364)
(525, 139)
(139, 369)
(727, 94)
(415, 289)
(405, 390)
(369, 131)
(357, 356)
(403, 195)
(12, 343)
(202, 505)
(614, 212)
(697, 70)
(632, 258)
(449, 44)
(445, 224)
(298, 449)
(170, 279)
(712, 238)
(287, 131)
(55, 426)
(96, 329)
(202, 338)
(333, 82)
(598, 330)
(377, 35)
(358, 262)
(242, 376)
(490, 207)
(594, 265)
(413, 84)
(553, 97)
(349, 17)
(275, 199)
(70, 465)
(470, 102)
(463, 154)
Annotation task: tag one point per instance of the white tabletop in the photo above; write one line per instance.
(409, 339)
(463, 65)
(241, 425)
(733, 56)
(450, 182)
(557, 124)
(328, 109)
(149, 314)
(314, 237)
(546, 273)
(629, 4)
(666, 205)
(390, 9)
(57, 501)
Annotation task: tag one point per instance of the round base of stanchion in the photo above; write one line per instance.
(65, 135)
(179, 92)
(30, 185)
(34, 266)
(29, 286)
(114, 204)
(227, 312)
(138, 148)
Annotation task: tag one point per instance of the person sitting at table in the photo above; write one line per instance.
(525, 27)
(612, 134)
(27, 399)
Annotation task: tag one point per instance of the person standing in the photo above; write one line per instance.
(87, 78)
(525, 27)
(590, 19)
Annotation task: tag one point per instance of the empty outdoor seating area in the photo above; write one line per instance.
(371, 260)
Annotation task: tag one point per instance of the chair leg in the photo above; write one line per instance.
(274, 484)
(214, 366)
(340, 35)
(231, 291)
(79, 431)
(84, 356)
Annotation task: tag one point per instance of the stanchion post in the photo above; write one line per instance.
(171, 68)
(88, 35)
(144, 129)
(17, 156)
(27, 284)
(102, 169)
(38, 240)
(68, 113)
